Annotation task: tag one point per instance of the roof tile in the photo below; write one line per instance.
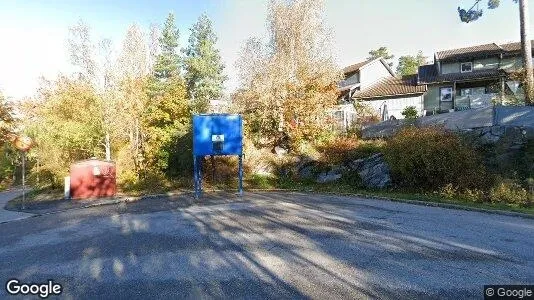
(391, 86)
(356, 67)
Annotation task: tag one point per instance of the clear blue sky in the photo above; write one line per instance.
(34, 32)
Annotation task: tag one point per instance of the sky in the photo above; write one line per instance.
(34, 32)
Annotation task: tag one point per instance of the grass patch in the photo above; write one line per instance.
(341, 188)
(273, 183)
(39, 195)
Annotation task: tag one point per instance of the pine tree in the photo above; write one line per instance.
(203, 65)
(167, 62)
(167, 114)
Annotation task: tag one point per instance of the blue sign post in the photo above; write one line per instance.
(216, 134)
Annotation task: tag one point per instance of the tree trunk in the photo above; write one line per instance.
(108, 147)
(527, 52)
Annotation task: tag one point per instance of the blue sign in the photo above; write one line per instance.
(217, 134)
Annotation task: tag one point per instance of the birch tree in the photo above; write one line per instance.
(133, 70)
(81, 49)
(289, 83)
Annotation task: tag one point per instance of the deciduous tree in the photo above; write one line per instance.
(81, 50)
(6, 119)
(289, 84)
(66, 125)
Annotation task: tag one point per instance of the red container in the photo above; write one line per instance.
(92, 178)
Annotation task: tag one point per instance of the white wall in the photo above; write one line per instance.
(395, 106)
(373, 72)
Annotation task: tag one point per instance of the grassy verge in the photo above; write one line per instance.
(270, 183)
(341, 188)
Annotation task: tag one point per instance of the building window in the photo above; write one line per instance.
(466, 67)
(445, 94)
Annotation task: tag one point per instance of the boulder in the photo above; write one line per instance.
(374, 171)
(333, 175)
(306, 172)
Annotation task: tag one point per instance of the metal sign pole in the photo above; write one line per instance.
(241, 175)
(23, 178)
(195, 175)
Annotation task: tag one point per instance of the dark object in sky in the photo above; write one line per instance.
(469, 16)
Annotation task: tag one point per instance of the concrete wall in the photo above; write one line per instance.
(489, 118)
(372, 72)
(395, 106)
(515, 116)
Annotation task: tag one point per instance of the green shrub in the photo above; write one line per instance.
(510, 192)
(409, 112)
(473, 195)
(431, 157)
(449, 191)
(338, 150)
(344, 149)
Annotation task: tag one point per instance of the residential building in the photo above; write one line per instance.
(458, 79)
(374, 84)
(472, 77)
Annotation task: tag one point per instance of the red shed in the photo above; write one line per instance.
(92, 178)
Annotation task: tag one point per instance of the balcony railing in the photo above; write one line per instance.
(474, 101)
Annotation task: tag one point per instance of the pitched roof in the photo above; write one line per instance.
(479, 50)
(391, 86)
(513, 48)
(428, 74)
(355, 67)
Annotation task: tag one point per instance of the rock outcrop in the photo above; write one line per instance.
(374, 171)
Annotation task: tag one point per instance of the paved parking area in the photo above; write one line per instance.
(7, 215)
(269, 245)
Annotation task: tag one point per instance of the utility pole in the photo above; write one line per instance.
(526, 46)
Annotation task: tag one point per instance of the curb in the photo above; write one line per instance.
(425, 203)
(400, 200)
(126, 199)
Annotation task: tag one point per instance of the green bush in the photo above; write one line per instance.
(431, 157)
(338, 150)
(473, 195)
(510, 192)
(344, 149)
(409, 113)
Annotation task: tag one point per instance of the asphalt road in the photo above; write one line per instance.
(269, 245)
